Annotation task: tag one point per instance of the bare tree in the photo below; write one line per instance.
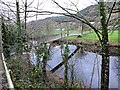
(103, 41)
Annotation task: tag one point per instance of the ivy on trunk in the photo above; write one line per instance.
(105, 49)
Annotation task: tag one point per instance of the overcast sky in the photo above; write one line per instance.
(49, 6)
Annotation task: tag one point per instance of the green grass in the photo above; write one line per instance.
(71, 31)
(91, 36)
(65, 31)
(113, 37)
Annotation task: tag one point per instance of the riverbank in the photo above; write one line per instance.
(90, 45)
(27, 75)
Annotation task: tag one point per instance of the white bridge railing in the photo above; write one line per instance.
(10, 83)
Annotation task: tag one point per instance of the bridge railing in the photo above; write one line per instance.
(9, 80)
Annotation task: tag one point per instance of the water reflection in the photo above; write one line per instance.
(81, 53)
(83, 63)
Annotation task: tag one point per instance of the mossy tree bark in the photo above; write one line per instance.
(19, 47)
(43, 56)
(105, 49)
(65, 59)
(5, 39)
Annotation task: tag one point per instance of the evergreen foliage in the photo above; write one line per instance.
(65, 57)
(5, 38)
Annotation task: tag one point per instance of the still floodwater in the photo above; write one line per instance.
(83, 66)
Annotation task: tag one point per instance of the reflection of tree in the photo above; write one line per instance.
(80, 53)
(71, 66)
(117, 65)
(117, 69)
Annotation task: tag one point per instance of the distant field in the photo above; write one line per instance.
(113, 37)
(71, 31)
(65, 31)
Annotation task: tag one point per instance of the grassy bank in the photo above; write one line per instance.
(113, 37)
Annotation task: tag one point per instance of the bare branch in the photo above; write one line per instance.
(37, 8)
(71, 10)
(78, 18)
(8, 7)
(30, 3)
(8, 18)
(23, 2)
(116, 11)
(110, 13)
(74, 5)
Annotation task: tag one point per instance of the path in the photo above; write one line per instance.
(56, 37)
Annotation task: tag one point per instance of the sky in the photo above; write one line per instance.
(47, 5)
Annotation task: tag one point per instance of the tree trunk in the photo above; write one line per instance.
(72, 75)
(105, 49)
(5, 39)
(44, 62)
(66, 75)
(65, 58)
(19, 31)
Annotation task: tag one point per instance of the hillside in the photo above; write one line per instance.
(51, 23)
(91, 12)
